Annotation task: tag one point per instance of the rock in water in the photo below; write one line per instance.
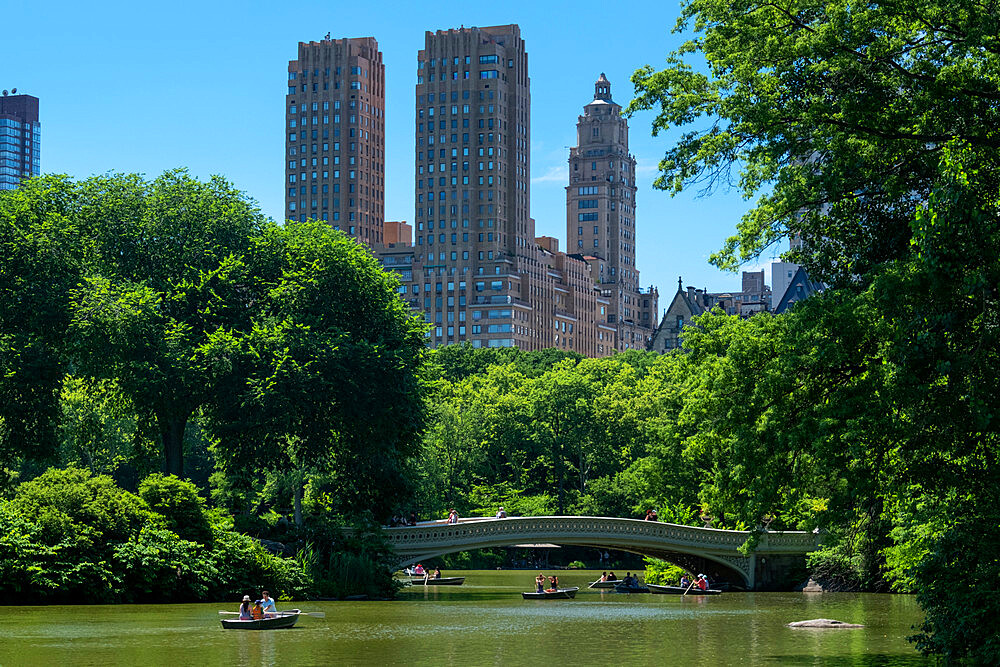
(823, 623)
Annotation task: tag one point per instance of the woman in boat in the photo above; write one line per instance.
(540, 583)
(554, 582)
(245, 613)
(604, 576)
(612, 577)
(702, 582)
(437, 573)
(419, 570)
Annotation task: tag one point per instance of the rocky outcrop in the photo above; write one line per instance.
(823, 623)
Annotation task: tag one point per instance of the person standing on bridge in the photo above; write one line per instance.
(452, 516)
(501, 514)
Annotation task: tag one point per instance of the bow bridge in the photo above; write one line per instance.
(776, 561)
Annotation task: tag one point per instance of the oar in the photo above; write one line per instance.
(688, 589)
(314, 614)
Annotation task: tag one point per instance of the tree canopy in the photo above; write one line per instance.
(868, 132)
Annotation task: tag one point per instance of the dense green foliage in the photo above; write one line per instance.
(542, 433)
(70, 537)
(165, 324)
(869, 132)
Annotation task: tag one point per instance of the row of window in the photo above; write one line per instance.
(355, 70)
(443, 97)
(444, 62)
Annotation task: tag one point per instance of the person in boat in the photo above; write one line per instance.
(419, 570)
(540, 583)
(245, 612)
(612, 577)
(553, 583)
(437, 573)
(501, 514)
(604, 576)
(627, 581)
(267, 604)
(702, 582)
(685, 582)
(257, 612)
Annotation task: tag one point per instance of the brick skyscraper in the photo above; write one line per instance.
(600, 215)
(20, 139)
(475, 268)
(335, 136)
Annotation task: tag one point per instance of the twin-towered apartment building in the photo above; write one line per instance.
(470, 260)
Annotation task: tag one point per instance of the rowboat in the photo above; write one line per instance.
(610, 583)
(560, 594)
(440, 581)
(284, 619)
(679, 590)
(631, 589)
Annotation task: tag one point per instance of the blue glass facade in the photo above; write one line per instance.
(20, 140)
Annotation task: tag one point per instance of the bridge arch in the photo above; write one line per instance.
(705, 549)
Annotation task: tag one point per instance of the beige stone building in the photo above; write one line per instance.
(600, 216)
(469, 260)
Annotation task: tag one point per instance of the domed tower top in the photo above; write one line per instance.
(602, 89)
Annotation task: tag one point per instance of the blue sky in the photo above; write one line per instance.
(144, 87)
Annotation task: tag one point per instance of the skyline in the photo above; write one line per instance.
(188, 80)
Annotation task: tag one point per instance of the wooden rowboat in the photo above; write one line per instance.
(284, 619)
(631, 589)
(440, 581)
(679, 590)
(610, 583)
(560, 594)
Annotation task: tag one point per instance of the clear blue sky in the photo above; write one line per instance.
(144, 87)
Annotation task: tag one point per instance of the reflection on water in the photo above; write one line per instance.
(483, 622)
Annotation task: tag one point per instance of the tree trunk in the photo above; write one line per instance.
(172, 435)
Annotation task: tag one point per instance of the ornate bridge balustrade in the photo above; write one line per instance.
(708, 549)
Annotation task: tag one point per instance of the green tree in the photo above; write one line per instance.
(833, 113)
(167, 276)
(869, 132)
(329, 377)
(178, 502)
(41, 252)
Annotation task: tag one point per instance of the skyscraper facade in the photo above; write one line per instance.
(335, 136)
(474, 267)
(600, 216)
(20, 139)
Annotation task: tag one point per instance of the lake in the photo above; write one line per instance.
(483, 622)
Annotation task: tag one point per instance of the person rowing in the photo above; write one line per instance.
(267, 605)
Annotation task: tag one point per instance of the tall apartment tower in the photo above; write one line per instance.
(474, 267)
(472, 170)
(600, 215)
(472, 148)
(335, 136)
(20, 139)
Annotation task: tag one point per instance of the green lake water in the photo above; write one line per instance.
(484, 622)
